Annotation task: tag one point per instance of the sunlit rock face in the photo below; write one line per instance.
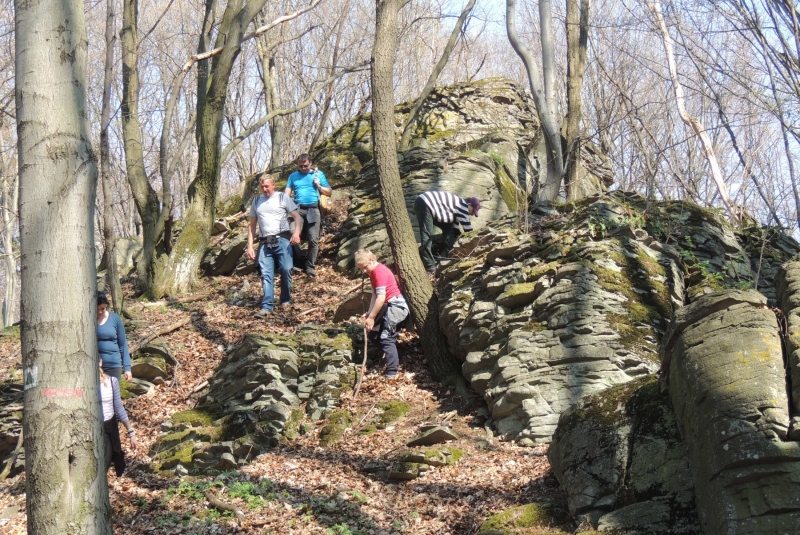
(580, 302)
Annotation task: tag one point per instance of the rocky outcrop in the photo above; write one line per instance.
(478, 139)
(789, 292)
(543, 320)
(621, 461)
(254, 397)
(726, 371)
(11, 398)
(580, 303)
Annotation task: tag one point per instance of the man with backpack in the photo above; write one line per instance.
(306, 184)
(270, 211)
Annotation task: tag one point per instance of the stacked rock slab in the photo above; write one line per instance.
(254, 396)
(789, 292)
(543, 320)
(726, 381)
(621, 461)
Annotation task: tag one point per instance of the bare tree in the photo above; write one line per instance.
(577, 38)
(65, 479)
(109, 235)
(692, 122)
(448, 49)
(416, 286)
(543, 88)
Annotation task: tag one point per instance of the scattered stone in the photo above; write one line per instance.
(435, 435)
(181, 470)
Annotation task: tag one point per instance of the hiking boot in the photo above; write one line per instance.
(263, 313)
(311, 272)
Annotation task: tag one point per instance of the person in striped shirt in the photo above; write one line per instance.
(444, 210)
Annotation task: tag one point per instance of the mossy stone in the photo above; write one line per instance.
(334, 430)
(525, 519)
(393, 411)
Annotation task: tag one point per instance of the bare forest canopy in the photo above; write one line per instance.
(736, 62)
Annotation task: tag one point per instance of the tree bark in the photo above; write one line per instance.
(9, 190)
(543, 90)
(143, 193)
(413, 279)
(109, 236)
(405, 138)
(66, 486)
(177, 272)
(577, 39)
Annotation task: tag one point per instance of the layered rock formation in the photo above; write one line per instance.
(726, 371)
(254, 396)
(622, 463)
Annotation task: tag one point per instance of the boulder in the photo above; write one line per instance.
(429, 437)
(620, 460)
(726, 372)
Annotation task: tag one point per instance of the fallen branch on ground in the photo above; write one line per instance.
(218, 504)
(159, 332)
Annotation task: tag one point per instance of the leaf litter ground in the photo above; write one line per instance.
(301, 487)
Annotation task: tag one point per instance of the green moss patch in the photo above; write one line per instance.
(392, 411)
(334, 430)
(199, 417)
(525, 519)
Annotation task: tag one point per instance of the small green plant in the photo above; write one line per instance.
(497, 158)
(359, 497)
(413, 515)
(597, 227)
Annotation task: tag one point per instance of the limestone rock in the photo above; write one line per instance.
(253, 399)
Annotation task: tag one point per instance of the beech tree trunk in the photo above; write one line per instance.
(414, 281)
(109, 236)
(177, 272)
(143, 193)
(577, 39)
(66, 485)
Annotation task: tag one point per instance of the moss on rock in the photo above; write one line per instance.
(526, 519)
(393, 411)
(334, 430)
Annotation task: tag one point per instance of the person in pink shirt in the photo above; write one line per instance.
(387, 309)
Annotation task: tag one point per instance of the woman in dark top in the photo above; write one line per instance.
(111, 342)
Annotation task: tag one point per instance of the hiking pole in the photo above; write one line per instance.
(363, 365)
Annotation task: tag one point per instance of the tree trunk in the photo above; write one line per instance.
(143, 193)
(9, 189)
(66, 485)
(413, 279)
(577, 38)
(109, 236)
(543, 91)
(405, 138)
(178, 271)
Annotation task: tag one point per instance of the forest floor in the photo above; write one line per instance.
(301, 487)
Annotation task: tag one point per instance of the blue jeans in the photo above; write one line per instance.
(267, 258)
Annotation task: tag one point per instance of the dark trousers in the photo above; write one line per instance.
(114, 453)
(384, 334)
(310, 233)
(387, 341)
(426, 223)
(114, 372)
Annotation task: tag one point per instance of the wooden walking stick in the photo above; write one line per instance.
(363, 365)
